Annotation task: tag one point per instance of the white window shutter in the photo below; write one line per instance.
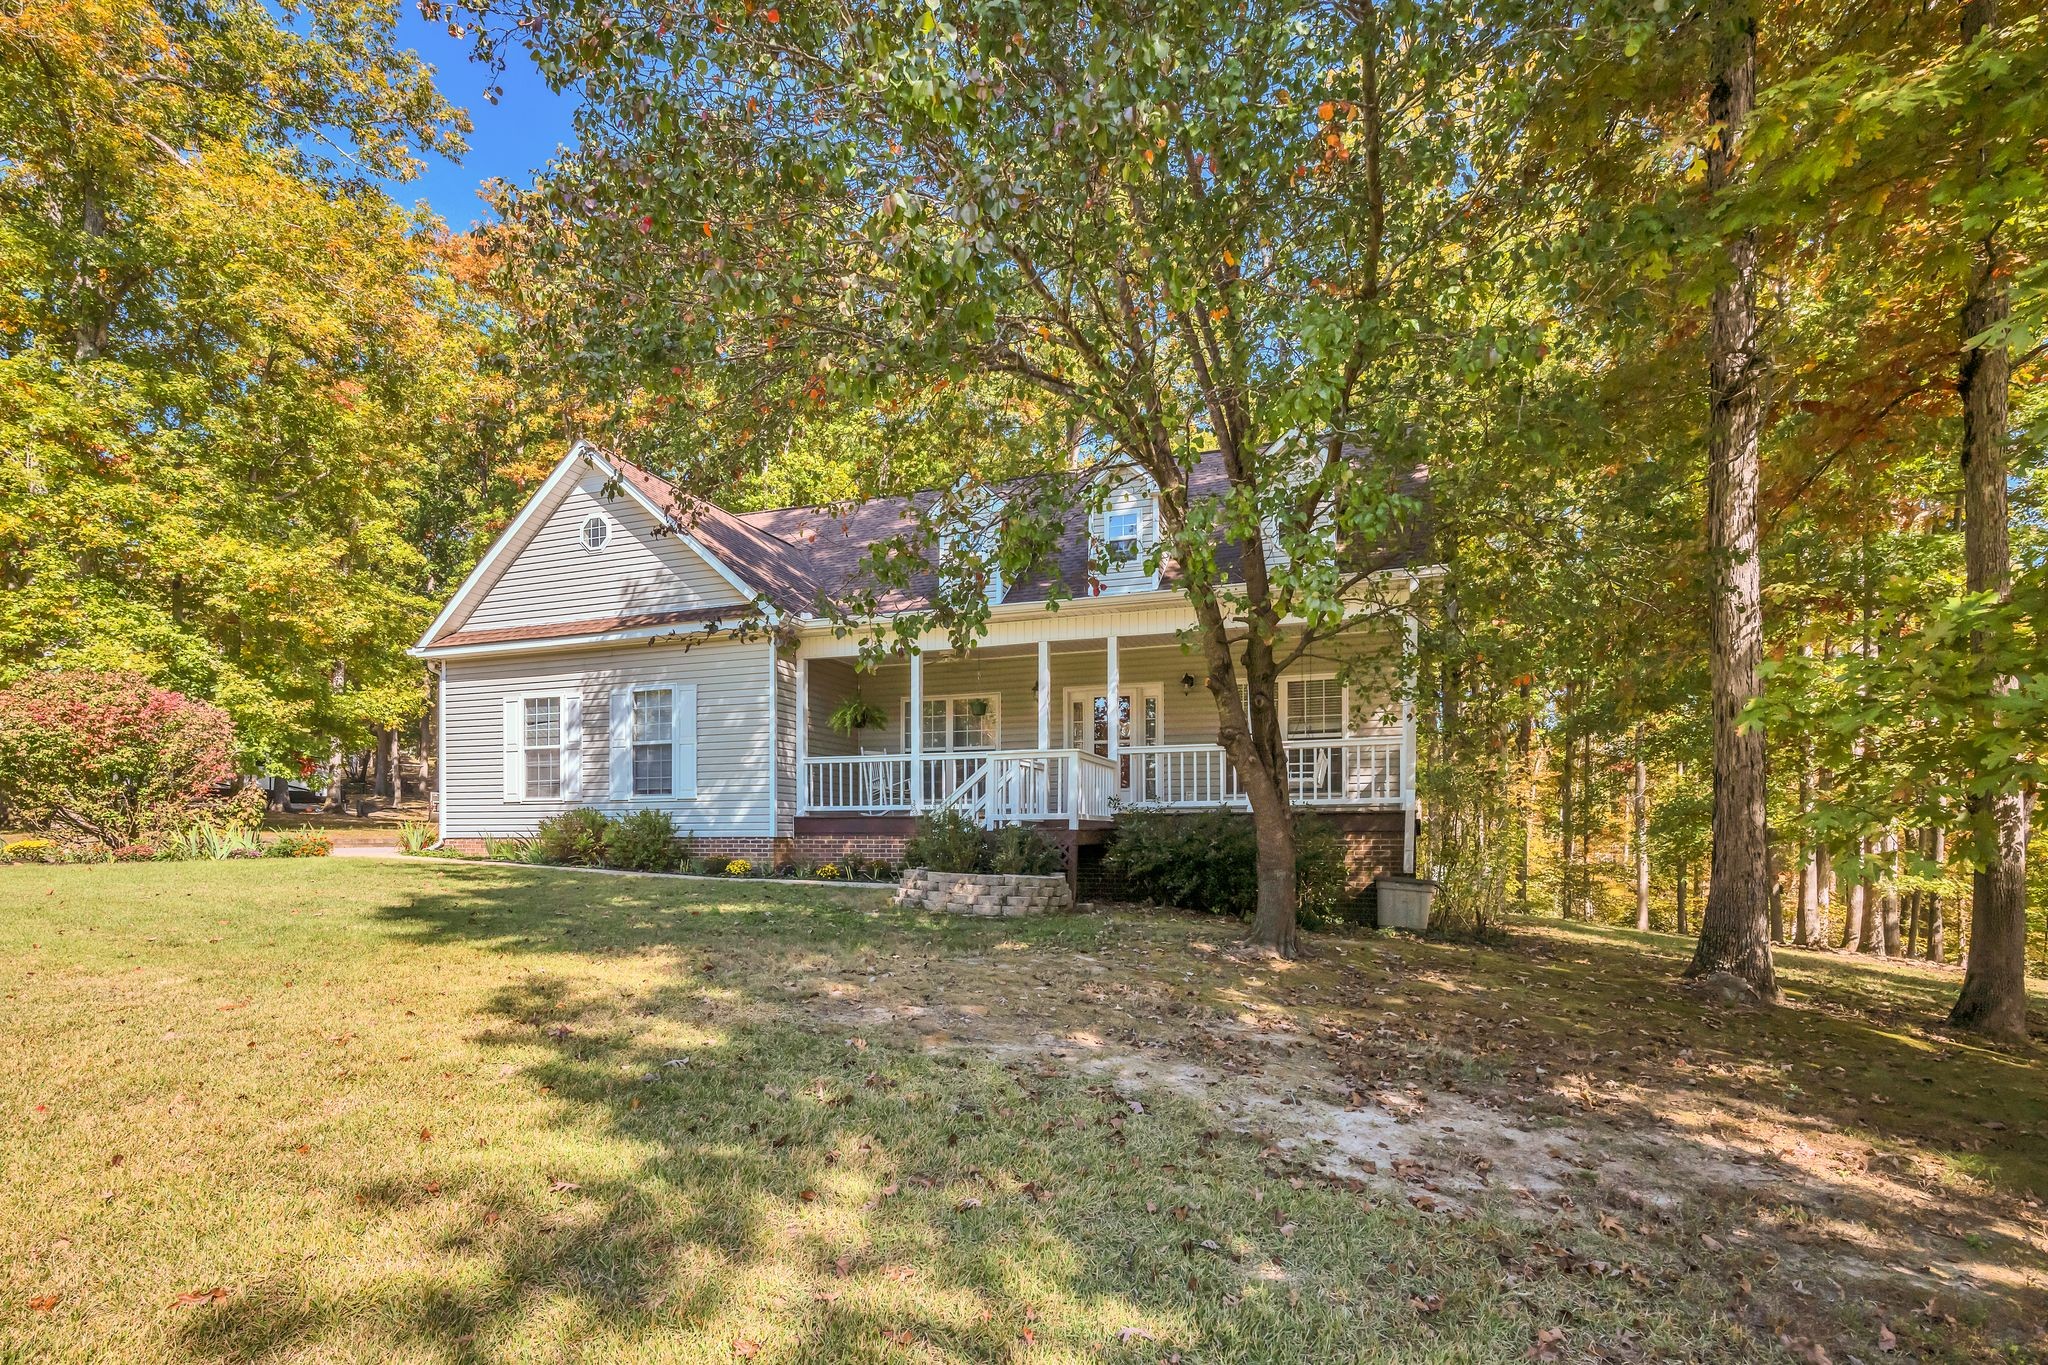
(686, 740)
(515, 749)
(572, 747)
(622, 744)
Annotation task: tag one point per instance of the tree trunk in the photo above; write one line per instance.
(384, 764)
(1564, 820)
(1586, 828)
(1852, 913)
(1774, 873)
(1642, 835)
(1522, 742)
(1681, 897)
(1735, 924)
(1994, 994)
(1865, 903)
(1936, 927)
(1824, 907)
(1888, 940)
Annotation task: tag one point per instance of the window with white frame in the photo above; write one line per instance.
(968, 721)
(1120, 532)
(1315, 708)
(654, 741)
(541, 747)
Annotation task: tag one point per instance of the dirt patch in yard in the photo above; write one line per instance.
(1852, 1168)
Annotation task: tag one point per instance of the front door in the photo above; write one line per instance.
(1138, 723)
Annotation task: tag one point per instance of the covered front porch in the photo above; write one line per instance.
(1023, 733)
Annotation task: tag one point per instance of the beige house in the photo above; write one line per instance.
(624, 645)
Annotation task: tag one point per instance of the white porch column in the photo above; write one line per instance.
(915, 739)
(1408, 756)
(1116, 746)
(1045, 694)
(803, 734)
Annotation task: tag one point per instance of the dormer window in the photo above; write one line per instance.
(1120, 532)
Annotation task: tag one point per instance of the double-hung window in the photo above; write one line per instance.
(1120, 532)
(542, 743)
(1315, 708)
(654, 742)
(654, 747)
(542, 734)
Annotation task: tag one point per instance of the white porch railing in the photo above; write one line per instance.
(1011, 785)
(1362, 771)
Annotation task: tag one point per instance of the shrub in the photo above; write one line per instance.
(644, 841)
(1019, 850)
(133, 853)
(739, 867)
(945, 841)
(1209, 862)
(109, 756)
(514, 850)
(209, 842)
(302, 844)
(575, 838)
(416, 836)
(826, 872)
(29, 851)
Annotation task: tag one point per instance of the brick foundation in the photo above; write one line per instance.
(766, 853)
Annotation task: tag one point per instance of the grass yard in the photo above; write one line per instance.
(423, 1111)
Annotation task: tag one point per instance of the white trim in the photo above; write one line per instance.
(605, 522)
(774, 739)
(913, 734)
(581, 641)
(803, 730)
(1045, 694)
(682, 743)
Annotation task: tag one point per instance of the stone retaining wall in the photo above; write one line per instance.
(983, 893)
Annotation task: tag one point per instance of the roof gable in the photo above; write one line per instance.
(542, 573)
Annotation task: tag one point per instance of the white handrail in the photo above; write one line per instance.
(1004, 785)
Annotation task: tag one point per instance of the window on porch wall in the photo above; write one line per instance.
(956, 723)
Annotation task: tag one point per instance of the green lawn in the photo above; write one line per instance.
(422, 1111)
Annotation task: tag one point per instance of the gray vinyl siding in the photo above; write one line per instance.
(831, 682)
(734, 734)
(553, 578)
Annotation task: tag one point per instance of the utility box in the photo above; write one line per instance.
(1403, 902)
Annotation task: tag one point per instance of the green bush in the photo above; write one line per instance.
(946, 841)
(416, 836)
(1019, 850)
(1209, 862)
(644, 841)
(299, 844)
(575, 838)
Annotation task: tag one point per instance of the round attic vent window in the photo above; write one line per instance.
(596, 531)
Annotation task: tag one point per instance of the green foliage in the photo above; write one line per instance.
(644, 841)
(299, 844)
(1020, 850)
(855, 714)
(946, 841)
(1208, 861)
(206, 841)
(416, 836)
(575, 838)
(247, 397)
(109, 758)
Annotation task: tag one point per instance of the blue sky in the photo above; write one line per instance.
(511, 139)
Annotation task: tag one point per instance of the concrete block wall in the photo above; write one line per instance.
(992, 894)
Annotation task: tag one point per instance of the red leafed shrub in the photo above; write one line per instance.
(108, 756)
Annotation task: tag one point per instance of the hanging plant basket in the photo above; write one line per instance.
(855, 714)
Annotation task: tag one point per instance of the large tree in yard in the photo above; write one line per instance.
(1205, 226)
